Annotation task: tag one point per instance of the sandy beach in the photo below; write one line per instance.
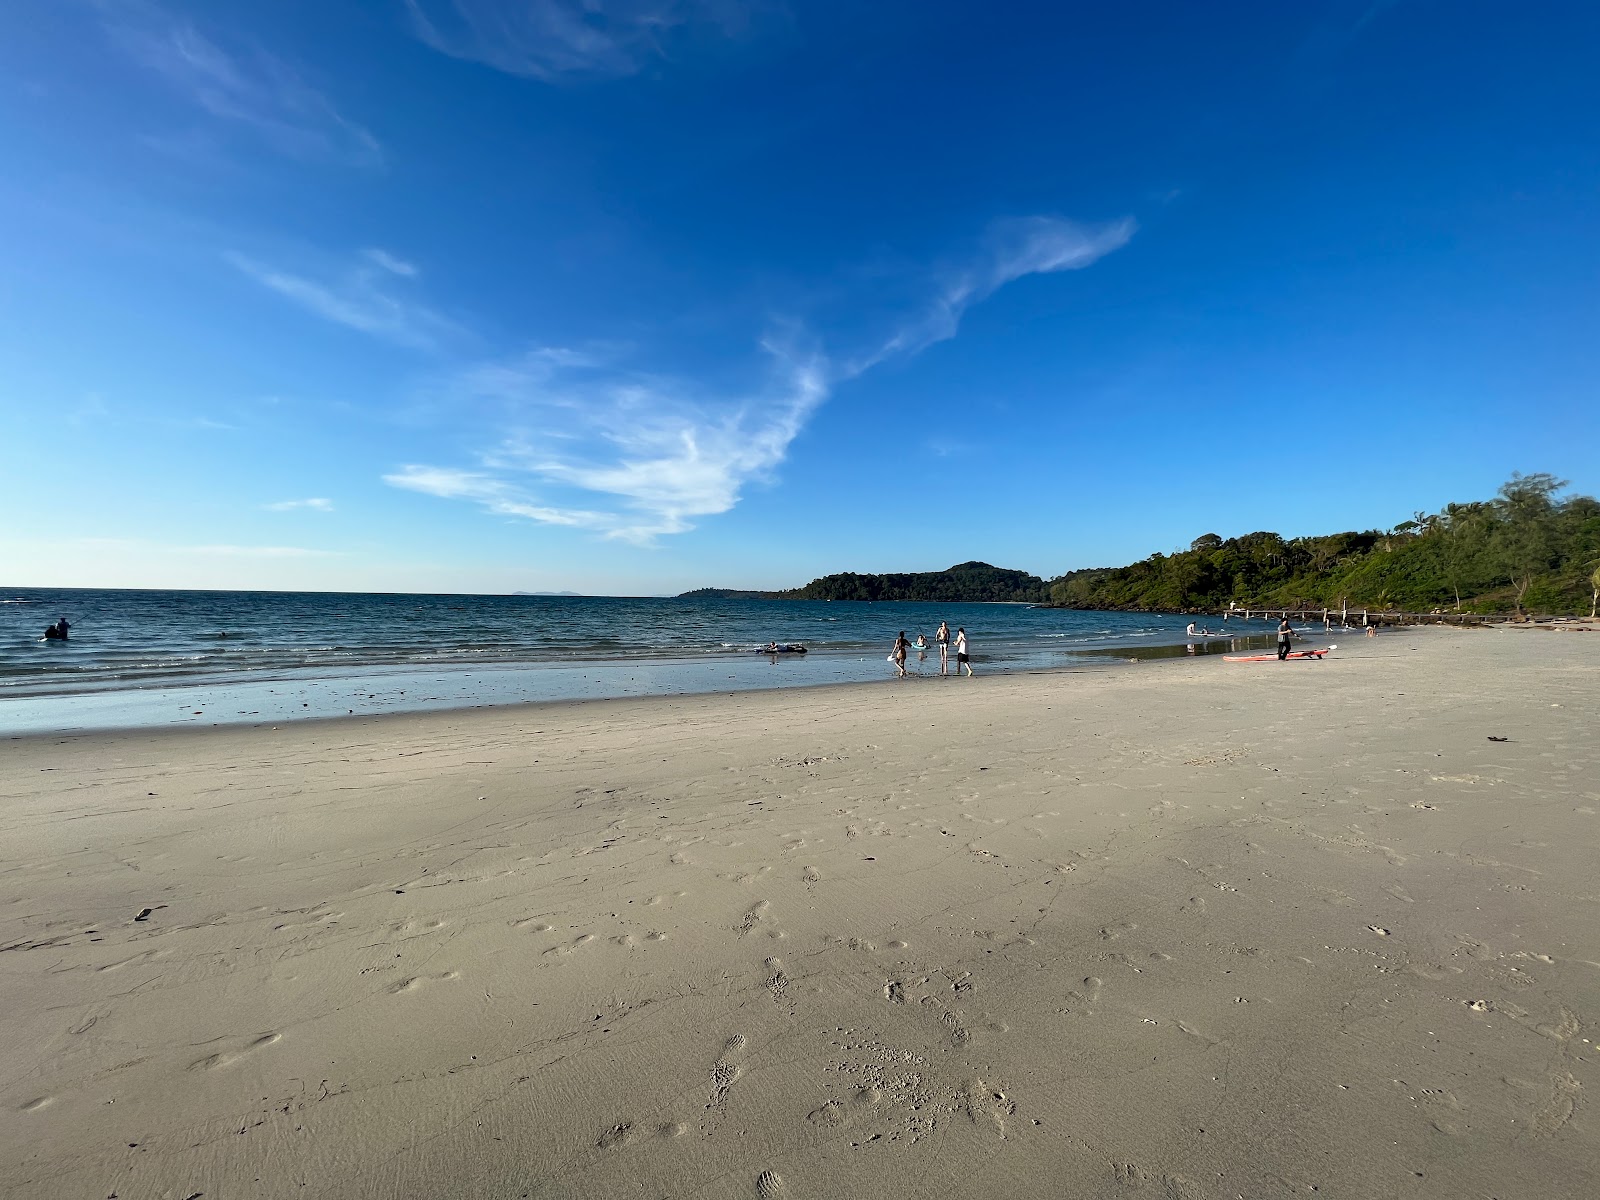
(1183, 930)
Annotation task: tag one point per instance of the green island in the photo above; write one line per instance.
(1529, 549)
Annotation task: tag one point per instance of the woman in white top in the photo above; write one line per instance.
(963, 658)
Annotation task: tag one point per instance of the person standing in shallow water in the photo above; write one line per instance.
(942, 636)
(898, 657)
(963, 655)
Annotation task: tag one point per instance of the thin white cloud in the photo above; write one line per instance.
(248, 88)
(496, 495)
(1011, 249)
(584, 441)
(363, 296)
(660, 454)
(395, 266)
(315, 504)
(556, 40)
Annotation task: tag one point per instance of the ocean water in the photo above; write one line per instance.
(160, 657)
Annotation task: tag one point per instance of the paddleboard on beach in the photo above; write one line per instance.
(1274, 657)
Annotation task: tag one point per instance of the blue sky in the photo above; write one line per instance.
(633, 296)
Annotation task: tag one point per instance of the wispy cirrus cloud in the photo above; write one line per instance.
(314, 504)
(658, 452)
(556, 40)
(246, 88)
(1010, 249)
(582, 439)
(368, 295)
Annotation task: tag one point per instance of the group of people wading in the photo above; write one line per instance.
(941, 638)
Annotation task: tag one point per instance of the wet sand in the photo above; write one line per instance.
(1187, 930)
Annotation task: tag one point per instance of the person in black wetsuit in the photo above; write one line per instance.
(57, 632)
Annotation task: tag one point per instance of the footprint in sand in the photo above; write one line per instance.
(987, 1105)
(36, 1104)
(417, 981)
(835, 1114)
(753, 917)
(583, 939)
(960, 1035)
(1112, 932)
(310, 920)
(1189, 1029)
(769, 1185)
(533, 924)
(617, 1136)
(777, 984)
(1561, 1031)
(1173, 1187)
(1555, 1112)
(227, 1058)
(1082, 1000)
(726, 1069)
(811, 875)
(1379, 930)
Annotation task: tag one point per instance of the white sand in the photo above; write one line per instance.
(1201, 929)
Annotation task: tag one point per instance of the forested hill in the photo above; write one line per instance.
(1525, 549)
(1529, 548)
(968, 581)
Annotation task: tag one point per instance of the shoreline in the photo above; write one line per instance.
(147, 700)
(1089, 666)
(1247, 931)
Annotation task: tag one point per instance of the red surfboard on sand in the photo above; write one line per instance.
(1274, 657)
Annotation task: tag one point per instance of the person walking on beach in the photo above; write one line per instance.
(963, 657)
(898, 657)
(942, 636)
(1285, 632)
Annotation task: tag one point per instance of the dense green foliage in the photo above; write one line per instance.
(714, 593)
(1525, 549)
(968, 581)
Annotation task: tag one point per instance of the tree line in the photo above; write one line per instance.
(1529, 548)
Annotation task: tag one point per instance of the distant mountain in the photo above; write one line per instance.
(547, 594)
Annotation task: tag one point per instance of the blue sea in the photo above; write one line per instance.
(154, 658)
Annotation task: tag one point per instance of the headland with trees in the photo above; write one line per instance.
(1528, 549)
